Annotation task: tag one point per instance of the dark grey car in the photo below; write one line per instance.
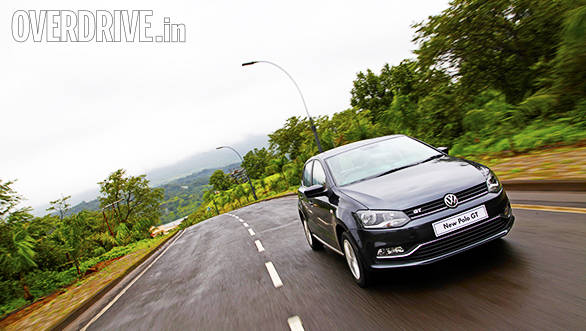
(395, 201)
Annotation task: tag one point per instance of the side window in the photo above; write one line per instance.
(319, 176)
(307, 174)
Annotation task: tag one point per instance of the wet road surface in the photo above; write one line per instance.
(213, 277)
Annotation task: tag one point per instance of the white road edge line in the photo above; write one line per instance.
(274, 275)
(95, 318)
(259, 246)
(295, 323)
(245, 225)
(250, 231)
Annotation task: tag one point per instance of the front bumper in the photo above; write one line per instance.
(423, 247)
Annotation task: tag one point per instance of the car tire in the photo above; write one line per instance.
(313, 243)
(358, 269)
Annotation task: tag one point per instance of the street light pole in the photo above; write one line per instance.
(246, 172)
(300, 94)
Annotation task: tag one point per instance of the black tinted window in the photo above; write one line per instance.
(307, 174)
(319, 176)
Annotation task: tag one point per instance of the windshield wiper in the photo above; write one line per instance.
(393, 170)
(430, 158)
(409, 165)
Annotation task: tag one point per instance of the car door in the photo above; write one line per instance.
(306, 204)
(321, 207)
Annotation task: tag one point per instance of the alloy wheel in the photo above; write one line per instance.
(351, 259)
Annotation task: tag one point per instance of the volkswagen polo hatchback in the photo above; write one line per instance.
(395, 201)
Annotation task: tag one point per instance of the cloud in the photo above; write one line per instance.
(71, 113)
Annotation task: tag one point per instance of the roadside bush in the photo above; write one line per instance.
(536, 106)
(46, 282)
(9, 289)
(536, 135)
(11, 305)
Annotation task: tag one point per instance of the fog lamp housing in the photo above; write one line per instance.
(390, 251)
(508, 212)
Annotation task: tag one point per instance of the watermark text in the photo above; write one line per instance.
(97, 26)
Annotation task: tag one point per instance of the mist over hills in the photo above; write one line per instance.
(193, 172)
(205, 160)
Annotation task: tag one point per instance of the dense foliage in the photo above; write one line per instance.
(501, 76)
(41, 254)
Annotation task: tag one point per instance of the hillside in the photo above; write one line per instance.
(204, 160)
(182, 195)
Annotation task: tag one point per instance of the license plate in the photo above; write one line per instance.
(459, 221)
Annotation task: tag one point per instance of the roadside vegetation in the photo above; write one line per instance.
(47, 312)
(42, 254)
(495, 78)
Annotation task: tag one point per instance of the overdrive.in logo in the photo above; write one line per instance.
(98, 26)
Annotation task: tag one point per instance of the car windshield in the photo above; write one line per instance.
(377, 159)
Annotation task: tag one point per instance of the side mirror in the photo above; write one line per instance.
(444, 150)
(313, 190)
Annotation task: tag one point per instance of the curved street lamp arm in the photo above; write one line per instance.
(235, 151)
(245, 172)
(312, 126)
(294, 83)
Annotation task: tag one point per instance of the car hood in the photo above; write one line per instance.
(416, 185)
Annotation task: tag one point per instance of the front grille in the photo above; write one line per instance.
(439, 205)
(459, 240)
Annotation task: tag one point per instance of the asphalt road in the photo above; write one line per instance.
(213, 277)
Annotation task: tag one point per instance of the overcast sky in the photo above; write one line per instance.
(71, 113)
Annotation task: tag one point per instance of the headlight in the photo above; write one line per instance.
(492, 181)
(380, 219)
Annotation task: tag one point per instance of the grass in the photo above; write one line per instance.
(534, 137)
(48, 311)
(564, 162)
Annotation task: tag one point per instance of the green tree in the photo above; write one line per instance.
(9, 200)
(220, 181)
(17, 255)
(17, 247)
(276, 165)
(256, 161)
(73, 233)
(372, 92)
(136, 205)
(492, 43)
(569, 76)
(61, 206)
(289, 139)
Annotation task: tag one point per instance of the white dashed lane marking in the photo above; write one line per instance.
(295, 323)
(274, 275)
(259, 246)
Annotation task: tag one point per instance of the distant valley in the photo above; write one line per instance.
(184, 181)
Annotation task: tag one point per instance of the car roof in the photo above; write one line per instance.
(347, 147)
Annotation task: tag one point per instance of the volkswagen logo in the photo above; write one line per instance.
(451, 200)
